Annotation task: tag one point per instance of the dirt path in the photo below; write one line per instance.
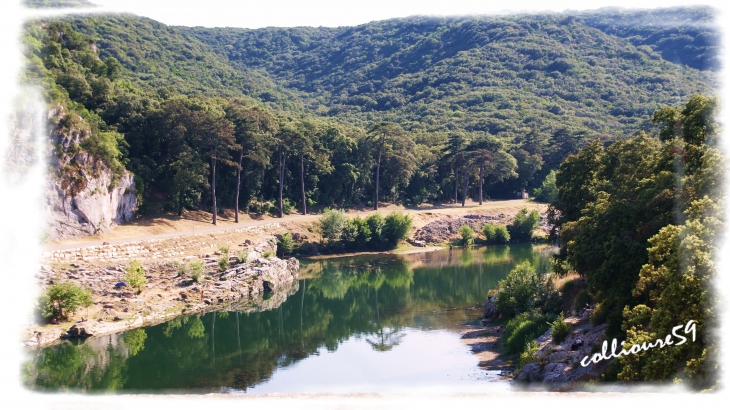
(197, 222)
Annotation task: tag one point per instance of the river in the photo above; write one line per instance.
(371, 323)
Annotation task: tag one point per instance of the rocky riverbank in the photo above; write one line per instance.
(167, 294)
(559, 363)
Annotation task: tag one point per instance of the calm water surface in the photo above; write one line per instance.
(368, 323)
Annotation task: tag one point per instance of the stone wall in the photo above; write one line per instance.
(149, 249)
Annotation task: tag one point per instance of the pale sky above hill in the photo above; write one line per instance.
(332, 13)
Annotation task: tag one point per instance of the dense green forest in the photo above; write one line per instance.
(415, 110)
(683, 35)
(639, 219)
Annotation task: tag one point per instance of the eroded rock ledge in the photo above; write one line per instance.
(559, 364)
(167, 295)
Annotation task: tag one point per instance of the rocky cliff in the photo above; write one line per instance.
(84, 195)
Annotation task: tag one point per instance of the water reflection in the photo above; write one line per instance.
(379, 300)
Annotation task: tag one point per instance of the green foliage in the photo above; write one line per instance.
(356, 234)
(242, 256)
(495, 234)
(560, 329)
(332, 223)
(614, 201)
(105, 146)
(223, 262)
(197, 268)
(521, 228)
(517, 292)
(501, 234)
(548, 192)
(542, 72)
(224, 249)
(62, 299)
(489, 231)
(268, 254)
(396, 228)
(467, 235)
(505, 110)
(285, 244)
(582, 298)
(676, 277)
(694, 47)
(135, 276)
(287, 205)
(529, 355)
(181, 268)
(134, 339)
(522, 329)
(376, 226)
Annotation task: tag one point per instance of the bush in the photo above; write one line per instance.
(489, 232)
(517, 292)
(522, 329)
(376, 223)
(285, 244)
(467, 235)
(62, 299)
(135, 276)
(549, 191)
(349, 233)
(332, 223)
(261, 208)
(523, 225)
(224, 249)
(397, 226)
(223, 262)
(287, 206)
(180, 267)
(197, 268)
(242, 256)
(363, 232)
(268, 254)
(549, 300)
(501, 234)
(560, 329)
(529, 355)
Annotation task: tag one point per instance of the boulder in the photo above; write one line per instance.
(77, 331)
(490, 310)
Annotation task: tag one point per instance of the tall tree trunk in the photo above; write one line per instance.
(377, 177)
(238, 183)
(212, 190)
(282, 159)
(466, 185)
(456, 185)
(304, 195)
(481, 184)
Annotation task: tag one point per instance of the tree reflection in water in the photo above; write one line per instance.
(375, 297)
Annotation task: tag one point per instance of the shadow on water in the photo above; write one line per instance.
(372, 297)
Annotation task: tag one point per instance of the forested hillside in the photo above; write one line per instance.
(683, 35)
(417, 109)
(501, 75)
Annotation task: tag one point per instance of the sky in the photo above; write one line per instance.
(333, 13)
(21, 200)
